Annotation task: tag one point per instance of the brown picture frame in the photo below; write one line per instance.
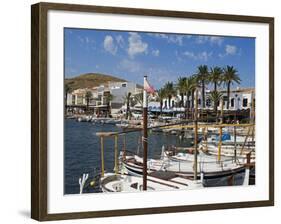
(39, 121)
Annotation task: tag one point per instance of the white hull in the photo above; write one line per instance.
(228, 150)
(183, 165)
(127, 183)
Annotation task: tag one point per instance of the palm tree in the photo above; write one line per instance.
(170, 91)
(109, 97)
(67, 89)
(203, 77)
(161, 94)
(190, 85)
(230, 76)
(88, 97)
(127, 98)
(138, 98)
(215, 97)
(195, 84)
(216, 76)
(181, 87)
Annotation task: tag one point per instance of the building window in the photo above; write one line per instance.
(232, 102)
(173, 103)
(208, 102)
(245, 102)
(80, 100)
(73, 99)
(199, 101)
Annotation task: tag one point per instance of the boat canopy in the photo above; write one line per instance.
(224, 137)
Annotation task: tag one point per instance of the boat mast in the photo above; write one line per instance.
(195, 134)
(252, 114)
(144, 139)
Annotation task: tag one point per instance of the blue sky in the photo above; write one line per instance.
(162, 56)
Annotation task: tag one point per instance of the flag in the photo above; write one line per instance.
(148, 88)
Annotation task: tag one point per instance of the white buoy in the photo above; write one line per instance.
(82, 182)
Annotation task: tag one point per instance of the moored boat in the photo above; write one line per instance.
(229, 150)
(156, 181)
(182, 164)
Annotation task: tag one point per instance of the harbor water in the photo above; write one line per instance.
(82, 151)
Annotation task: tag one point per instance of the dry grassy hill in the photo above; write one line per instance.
(90, 80)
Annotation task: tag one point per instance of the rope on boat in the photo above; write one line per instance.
(144, 139)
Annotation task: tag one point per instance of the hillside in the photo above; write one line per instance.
(90, 80)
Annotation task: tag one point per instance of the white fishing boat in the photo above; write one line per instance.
(123, 124)
(182, 164)
(98, 120)
(156, 181)
(228, 150)
(137, 114)
(229, 139)
(229, 145)
(112, 121)
(84, 118)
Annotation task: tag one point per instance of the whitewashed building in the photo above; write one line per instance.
(119, 90)
(99, 94)
(240, 99)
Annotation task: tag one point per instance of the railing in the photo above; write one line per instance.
(115, 135)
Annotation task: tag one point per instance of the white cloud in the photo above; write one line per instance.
(216, 40)
(189, 54)
(158, 76)
(230, 49)
(158, 35)
(171, 38)
(178, 56)
(221, 55)
(136, 45)
(109, 45)
(201, 39)
(85, 40)
(203, 56)
(209, 39)
(155, 53)
(81, 39)
(176, 39)
(120, 41)
(129, 65)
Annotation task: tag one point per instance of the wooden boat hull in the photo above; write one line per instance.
(134, 169)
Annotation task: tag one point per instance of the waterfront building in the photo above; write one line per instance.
(100, 96)
(240, 99)
(119, 90)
